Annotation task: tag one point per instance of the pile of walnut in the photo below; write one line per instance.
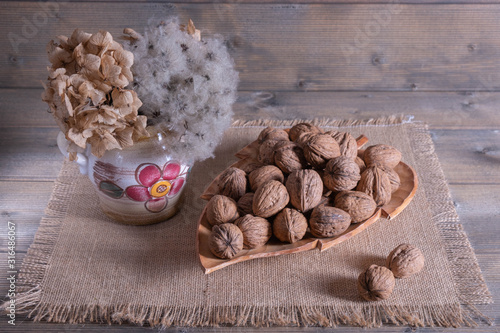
(377, 282)
(305, 179)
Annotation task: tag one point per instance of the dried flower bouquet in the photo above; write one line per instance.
(106, 95)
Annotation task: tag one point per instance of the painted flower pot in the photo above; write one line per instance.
(139, 185)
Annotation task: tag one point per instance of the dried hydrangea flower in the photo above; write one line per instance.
(187, 86)
(86, 93)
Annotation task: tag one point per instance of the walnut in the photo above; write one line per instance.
(232, 183)
(251, 166)
(304, 138)
(266, 152)
(297, 130)
(226, 240)
(375, 182)
(245, 204)
(347, 143)
(290, 225)
(357, 204)
(305, 188)
(376, 283)
(393, 177)
(264, 174)
(382, 155)
(341, 174)
(405, 260)
(271, 133)
(221, 209)
(269, 199)
(319, 149)
(361, 164)
(289, 157)
(327, 221)
(256, 231)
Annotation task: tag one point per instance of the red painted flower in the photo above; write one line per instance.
(157, 185)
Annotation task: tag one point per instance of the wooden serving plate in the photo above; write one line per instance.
(248, 159)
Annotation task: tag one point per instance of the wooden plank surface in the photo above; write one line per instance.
(438, 47)
(441, 110)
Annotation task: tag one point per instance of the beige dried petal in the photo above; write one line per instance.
(132, 34)
(140, 128)
(112, 72)
(78, 37)
(99, 42)
(58, 57)
(97, 96)
(126, 101)
(124, 137)
(79, 138)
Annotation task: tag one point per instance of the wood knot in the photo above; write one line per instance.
(378, 60)
(472, 47)
(414, 86)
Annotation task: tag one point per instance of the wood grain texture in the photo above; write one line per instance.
(314, 47)
(441, 110)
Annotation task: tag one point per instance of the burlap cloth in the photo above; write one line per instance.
(82, 267)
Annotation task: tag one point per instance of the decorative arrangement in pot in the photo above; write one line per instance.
(136, 116)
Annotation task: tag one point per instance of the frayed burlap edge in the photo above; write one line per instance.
(470, 284)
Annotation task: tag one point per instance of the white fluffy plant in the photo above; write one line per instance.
(187, 86)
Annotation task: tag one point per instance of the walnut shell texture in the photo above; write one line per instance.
(393, 177)
(266, 152)
(341, 174)
(245, 204)
(226, 240)
(376, 183)
(289, 157)
(232, 183)
(290, 225)
(347, 143)
(304, 138)
(405, 260)
(256, 231)
(221, 209)
(382, 155)
(264, 174)
(328, 221)
(319, 149)
(359, 205)
(297, 130)
(376, 283)
(361, 164)
(305, 188)
(269, 199)
(271, 133)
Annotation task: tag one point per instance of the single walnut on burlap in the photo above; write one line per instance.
(256, 231)
(263, 175)
(226, 240)
(221, 209)
(320, 149)
(360, 206)
(341, 174)
(376, 183)
(405, 260)
(271, 133)
(297, 130)
(290, 225)
(305, 188)
(232, 183)
(328, 221)
(376, 283)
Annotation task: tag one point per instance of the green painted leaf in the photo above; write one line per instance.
(110, 189)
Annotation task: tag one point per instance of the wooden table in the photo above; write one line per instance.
(436, 60)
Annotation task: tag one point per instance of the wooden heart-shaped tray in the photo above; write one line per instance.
(247, 158)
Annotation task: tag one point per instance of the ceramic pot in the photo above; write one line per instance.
(138, 185)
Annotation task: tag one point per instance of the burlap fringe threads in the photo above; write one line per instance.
(369, 315)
